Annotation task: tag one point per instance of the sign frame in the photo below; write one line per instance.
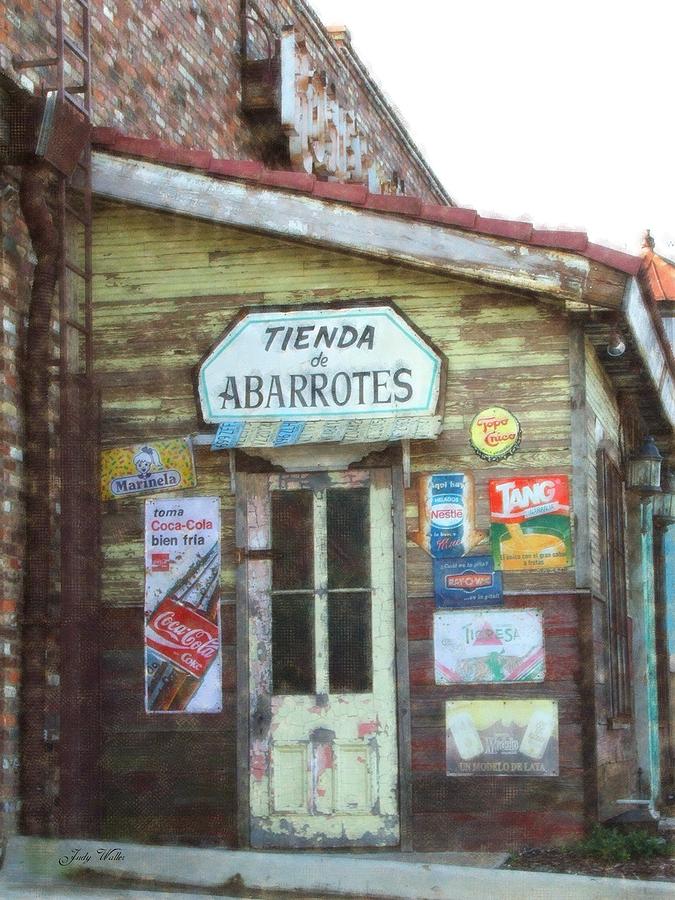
(471, 646)
(337, 306)
(469, 747)
(459, 597)
(530, 500)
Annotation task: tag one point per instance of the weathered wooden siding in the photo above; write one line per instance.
(616, 758)
(166, 287)
(491, 813)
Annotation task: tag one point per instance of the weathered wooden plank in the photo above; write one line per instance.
(509, 830)
(579, 446)
(434, 793)
(652, 344)
(402, 671)
(356, 230)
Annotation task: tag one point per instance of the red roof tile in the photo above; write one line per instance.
(177, 155)
(449, 215)
(518, 231)
(613, 258)
(294, 181)
(562, 240)
(658, 276)
(236, 168)
(395, 203)
(357, 195)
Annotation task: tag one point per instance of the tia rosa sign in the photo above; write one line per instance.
(320, 364)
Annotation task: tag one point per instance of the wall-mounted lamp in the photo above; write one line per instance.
(664, 504)
(616, 346)
(644, 468)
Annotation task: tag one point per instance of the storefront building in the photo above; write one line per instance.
(381, 542)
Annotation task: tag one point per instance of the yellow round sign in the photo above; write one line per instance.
(495, 433)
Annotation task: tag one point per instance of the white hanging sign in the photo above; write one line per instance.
(355, 374)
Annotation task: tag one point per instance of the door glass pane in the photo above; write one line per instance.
(292, 593)
(292, 542)
(293, 644)
(349, 654)
(349, 616)
(348, 526)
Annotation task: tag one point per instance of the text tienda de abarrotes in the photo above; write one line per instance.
(317, 390)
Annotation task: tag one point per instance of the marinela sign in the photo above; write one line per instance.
(322, 374)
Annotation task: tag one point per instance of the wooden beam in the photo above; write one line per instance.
(650, 347)
(402, 667)
(241, 541)
(436, 248)
(579, 441)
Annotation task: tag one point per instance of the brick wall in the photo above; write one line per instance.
(15, 269)
(172, 69)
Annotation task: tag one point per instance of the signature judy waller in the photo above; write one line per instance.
(105, 854)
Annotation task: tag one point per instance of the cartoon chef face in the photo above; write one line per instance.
(145, 459)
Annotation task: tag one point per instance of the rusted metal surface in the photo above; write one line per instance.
(81, 621)
(36, 184)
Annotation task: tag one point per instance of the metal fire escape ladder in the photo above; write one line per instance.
(75, 319)
(64, 140)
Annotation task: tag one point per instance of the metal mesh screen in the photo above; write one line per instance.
(349, 598)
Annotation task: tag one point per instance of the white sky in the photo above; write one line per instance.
(561, 113)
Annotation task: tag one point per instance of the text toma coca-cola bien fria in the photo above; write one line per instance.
(190, 530)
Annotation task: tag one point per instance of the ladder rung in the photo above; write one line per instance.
(77, 214)
(75, 48)
(77, 88)
(42, 61)
(76, 269)
(78, 326)
(76, 103)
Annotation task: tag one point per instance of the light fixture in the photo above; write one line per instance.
(664, 504)
(616, 346)
(644, 468)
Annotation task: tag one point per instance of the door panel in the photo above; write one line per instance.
(323, 753)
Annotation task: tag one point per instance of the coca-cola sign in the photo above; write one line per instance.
(182, 605)
(184, 637)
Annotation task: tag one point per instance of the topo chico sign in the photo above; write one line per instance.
(306, 376)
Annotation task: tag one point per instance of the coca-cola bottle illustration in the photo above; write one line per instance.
(182, 632)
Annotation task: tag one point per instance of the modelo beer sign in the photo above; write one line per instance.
(324, 374)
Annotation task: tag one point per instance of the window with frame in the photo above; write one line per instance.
(613, 565)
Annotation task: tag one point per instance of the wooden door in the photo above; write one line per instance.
(323, 748)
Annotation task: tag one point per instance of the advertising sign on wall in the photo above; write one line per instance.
(153, 466)
(495, 433)
(502, 737)
(326, 374)
(468, 581)
(488, 645)
(446, 515)
(182, 605)
(530, 523)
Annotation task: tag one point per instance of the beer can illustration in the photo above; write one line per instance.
(465, 735)
(537, 734)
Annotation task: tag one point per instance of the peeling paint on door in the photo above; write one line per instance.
(324, 766)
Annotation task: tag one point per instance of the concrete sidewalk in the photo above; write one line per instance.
(44, 868)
